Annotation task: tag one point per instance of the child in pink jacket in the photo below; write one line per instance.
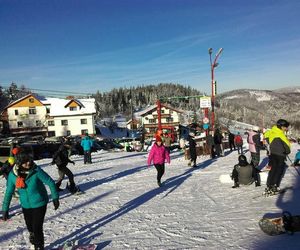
(159, 155)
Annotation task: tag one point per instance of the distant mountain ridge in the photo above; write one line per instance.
(261, 107)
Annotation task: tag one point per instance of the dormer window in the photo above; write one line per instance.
(31, 100)
(73, 108)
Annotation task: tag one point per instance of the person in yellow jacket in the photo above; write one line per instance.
(279, 148)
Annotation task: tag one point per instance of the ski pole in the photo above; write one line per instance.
(293, 165)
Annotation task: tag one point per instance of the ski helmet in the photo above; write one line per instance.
(282, 123)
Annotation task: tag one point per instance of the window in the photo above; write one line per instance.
(169, 119)
(51, 123)
(162, 111)
(32, 111)
(83, 121)
(73, 108)
(48, 110)
(38, 123)
(64, 122)
(68, 132)
(151, 120)
(31, 100)
(51, 133)
(16, 112)
(84, 131)
(171, 111)
(20, 124)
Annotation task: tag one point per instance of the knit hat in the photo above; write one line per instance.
(15, 151)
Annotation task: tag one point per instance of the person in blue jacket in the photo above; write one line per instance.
(87, 144)
(297, 159)
(29, 180)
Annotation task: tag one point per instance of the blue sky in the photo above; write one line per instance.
(91, 45)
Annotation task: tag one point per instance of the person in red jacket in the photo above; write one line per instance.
(159, 155)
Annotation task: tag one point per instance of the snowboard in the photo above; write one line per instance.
(280, 225)
(226, 178)
(70, 245)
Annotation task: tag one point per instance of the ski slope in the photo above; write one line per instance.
(123, 208)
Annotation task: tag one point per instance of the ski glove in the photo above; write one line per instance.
(56, 204)
(5, 215)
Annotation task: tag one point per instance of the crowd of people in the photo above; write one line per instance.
(28, 180)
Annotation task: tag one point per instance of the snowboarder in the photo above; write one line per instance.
(87, 144)
(244, 173)
(29, 179)
(158, 155)
(61, 159)
(238, 141)
(279, 149)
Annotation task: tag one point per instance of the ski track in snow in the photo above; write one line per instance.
(123, 208)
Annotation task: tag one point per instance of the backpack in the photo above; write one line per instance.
(238, 140)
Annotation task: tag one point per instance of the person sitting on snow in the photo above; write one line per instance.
(244, 173)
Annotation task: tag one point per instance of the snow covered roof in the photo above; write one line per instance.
(59, 107)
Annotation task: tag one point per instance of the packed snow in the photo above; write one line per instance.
(123, 208)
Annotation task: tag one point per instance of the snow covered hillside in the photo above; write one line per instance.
(123, 208)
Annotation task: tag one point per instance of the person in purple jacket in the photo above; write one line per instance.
(159, 155)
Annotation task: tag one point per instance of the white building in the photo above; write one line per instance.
(51, 116)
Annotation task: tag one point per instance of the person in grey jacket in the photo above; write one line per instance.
(244, 173)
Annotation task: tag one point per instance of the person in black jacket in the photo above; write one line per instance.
(231, 141)
(218, 138)
(192, 147)
(61, 159)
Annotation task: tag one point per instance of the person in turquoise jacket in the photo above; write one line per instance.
(87, 144)
(297, 159)
(29, 180)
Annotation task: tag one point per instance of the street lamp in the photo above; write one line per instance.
(213, 65)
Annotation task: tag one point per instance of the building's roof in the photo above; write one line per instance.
(151, 108)
(58, 107)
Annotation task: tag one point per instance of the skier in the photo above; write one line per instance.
(279, 149)
(29, 179)
(238, 140)
(193, 151)
(87, 144)
(61, 159)
(167, 141)
(297, 159)
(158, 155)
(244, 173)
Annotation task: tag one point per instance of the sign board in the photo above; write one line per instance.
(206, 126)
(205, 102)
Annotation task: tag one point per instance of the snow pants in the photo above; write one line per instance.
(34, 219)
(87, 157)
(160, 171)
(62, 171)
(277, 171)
